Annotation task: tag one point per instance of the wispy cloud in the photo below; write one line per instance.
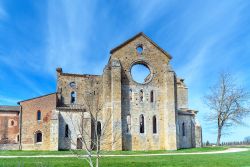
(3, 13)
(69, 31)
(7, 100)
(17, 71)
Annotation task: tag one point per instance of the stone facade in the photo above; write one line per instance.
(125, 101)
(152, 115)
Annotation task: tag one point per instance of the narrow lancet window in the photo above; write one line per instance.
(183, 129)
(154, 125)
(39, 115)
(152, 96)
(128, 123)
(73, 98)
(141, 123)
(66, 130)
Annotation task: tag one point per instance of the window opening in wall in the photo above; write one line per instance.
(39, 137)
(72, 84)
(66, 130)
(141, 123)
(141, 95)
(154, 125)
(130, 94)
(140, 73)
(79, 143)
(139, 49)
(183, 129)
(12, 123)
(152, 96)
(73, 98)
(128, 123)
(99, 128)
(39, 115)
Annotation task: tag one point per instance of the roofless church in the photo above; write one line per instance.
(148, 111)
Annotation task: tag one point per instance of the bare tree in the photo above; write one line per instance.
(228, 103)
(93, 129)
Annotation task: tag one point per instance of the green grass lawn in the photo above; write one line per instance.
(204, 149)
(241, 159)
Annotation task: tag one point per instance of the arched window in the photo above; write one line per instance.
(38, 137)
(66, 130)
(183, 129)
(141, 123)
(141, 95)
(152, 96)
(73, 98)
(39, 115)
(154, 125)
(12, 123)
(128, 123)
(99, 128)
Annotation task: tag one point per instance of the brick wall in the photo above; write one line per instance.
(9, 127)
(30, 124)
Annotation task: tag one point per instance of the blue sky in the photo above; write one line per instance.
(204, 38)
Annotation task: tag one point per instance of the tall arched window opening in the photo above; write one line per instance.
(66, 130)
(128, 123)
(141, 123)
(99, 128)
(73, 98)
(183, 129)
(154, 125)
(152, 96)
(39, 115)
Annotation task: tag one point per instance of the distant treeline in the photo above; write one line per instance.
(228, 143)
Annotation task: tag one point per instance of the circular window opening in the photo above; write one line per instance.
(72, 84)
(140, 73)
(139, 49)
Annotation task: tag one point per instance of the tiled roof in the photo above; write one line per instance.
(36, 97)
(9, 108)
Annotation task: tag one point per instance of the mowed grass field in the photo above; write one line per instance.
(241, 159)
(204, 149)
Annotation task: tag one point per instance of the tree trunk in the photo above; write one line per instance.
(219, 136)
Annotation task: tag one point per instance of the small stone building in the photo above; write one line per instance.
(9, 127)
(136, 111)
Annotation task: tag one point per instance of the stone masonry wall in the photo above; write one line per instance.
(157, 62)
